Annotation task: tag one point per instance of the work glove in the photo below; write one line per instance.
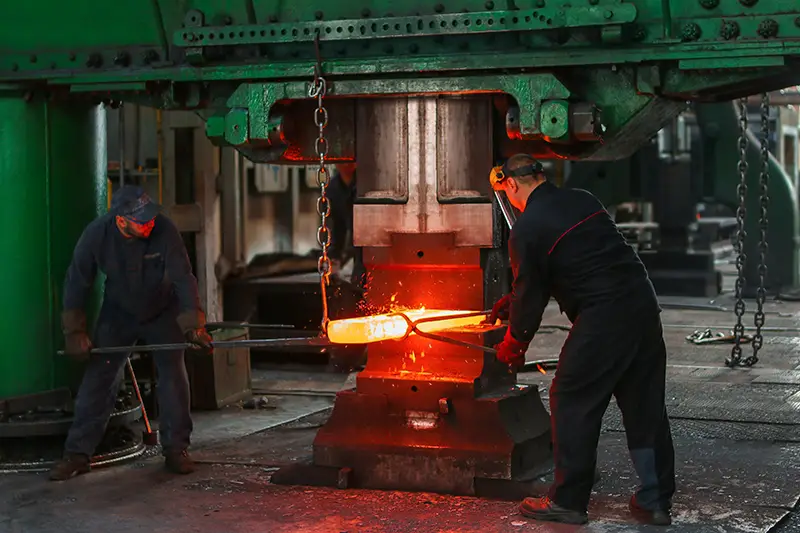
(77, 343)
(511, 351)
(193, 326)
(500, 310)
(200, 339)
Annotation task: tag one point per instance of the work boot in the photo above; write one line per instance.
(179, 462)
(73, 464)
(546, 510)
(658, 517)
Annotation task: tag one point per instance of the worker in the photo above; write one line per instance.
(347, 302)
(342, 194)
(151, 296)
(565, 245)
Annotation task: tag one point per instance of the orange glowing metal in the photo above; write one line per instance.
(376, 328)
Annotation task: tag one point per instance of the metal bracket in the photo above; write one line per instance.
(403, 27)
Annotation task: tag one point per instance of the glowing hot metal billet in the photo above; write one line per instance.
(397, 326)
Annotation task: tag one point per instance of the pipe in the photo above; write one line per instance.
(160, 143)
(505, 208)
(121, 145)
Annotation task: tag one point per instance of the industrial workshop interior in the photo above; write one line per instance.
(339, 178)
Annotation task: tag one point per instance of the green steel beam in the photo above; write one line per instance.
(52, 170)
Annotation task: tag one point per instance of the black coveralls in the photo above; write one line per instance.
(567, 246)
(149, 282)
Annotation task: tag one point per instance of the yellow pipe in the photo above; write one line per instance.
(160, 139)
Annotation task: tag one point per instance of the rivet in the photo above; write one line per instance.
(748, 3)
(691, 32)
(607, 14)
(439, 8)
(34, 59)
(729, 30)
(273, 18)
(489, 4)
(709, 4)
(366, 13)
(318, 15)
(767, 28)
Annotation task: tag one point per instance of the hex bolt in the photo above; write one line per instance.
(150, 56)
(123, 59)
(95, 60)
(709, 4)
(748, 3)
(691, 32)
(489, 5)
(439, 8)
(228, 20)
(729, 30)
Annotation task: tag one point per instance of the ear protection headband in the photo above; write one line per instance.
(501, 173)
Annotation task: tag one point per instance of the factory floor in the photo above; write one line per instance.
(737, 436)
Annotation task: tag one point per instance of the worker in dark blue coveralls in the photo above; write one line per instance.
(150, 296)
(565, 245)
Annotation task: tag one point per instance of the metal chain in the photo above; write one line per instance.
(763, 224)
(759, 316)
(318, 90)
(741, 256)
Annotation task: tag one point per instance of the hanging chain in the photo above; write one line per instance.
(741, 257)
(318, 90)
(763, 224)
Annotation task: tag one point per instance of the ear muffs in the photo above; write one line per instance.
(501, 173)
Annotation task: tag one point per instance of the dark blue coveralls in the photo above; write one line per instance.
(151, 296)
(566, 245)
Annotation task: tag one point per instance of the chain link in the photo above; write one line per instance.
(741, 256)
(318, 90)
(763, 224)
(741, 259)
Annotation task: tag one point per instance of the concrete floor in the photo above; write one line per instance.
(737, 435)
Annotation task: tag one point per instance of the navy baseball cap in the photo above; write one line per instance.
(132, 202)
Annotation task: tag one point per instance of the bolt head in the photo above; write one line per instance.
(709, 4)
(767, 28)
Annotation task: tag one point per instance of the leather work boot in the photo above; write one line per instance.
(73, 464)
(547, 510)
(179, 462)
(658, 517)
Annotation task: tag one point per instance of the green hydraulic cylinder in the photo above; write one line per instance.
(52, 178)
(719, 124)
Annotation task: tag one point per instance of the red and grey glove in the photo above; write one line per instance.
(500, 310)
(193, 326)
(76, 341)
(511, 351)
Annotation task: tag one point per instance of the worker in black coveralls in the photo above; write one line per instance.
(151, 296)
(344, 301)
(342, 195)
(566, 245)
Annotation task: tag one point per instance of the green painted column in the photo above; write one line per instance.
(52, 175)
